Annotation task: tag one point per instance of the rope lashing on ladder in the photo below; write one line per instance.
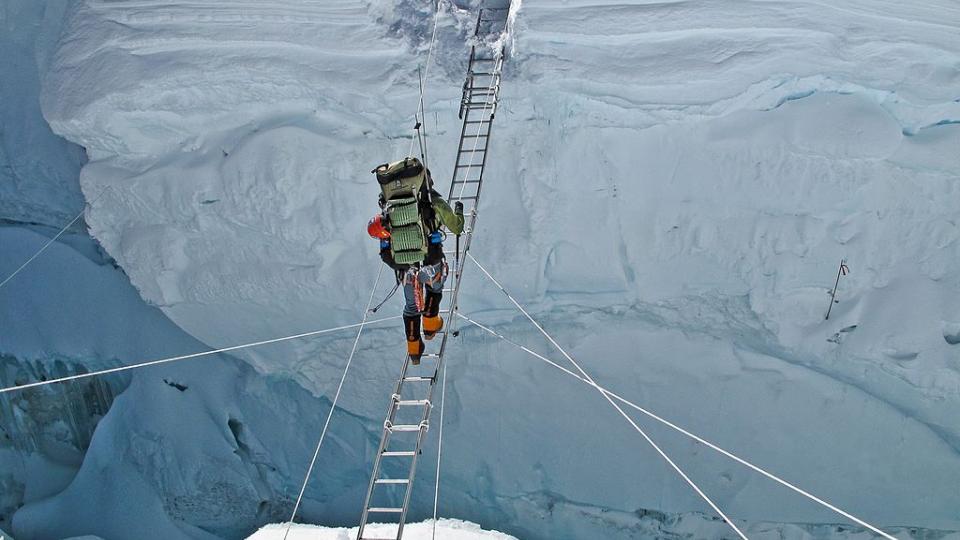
(682, 431)
(620, 410)
(193, 355)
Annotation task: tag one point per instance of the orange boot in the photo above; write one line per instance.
(431, 325)
(415, 346)
(432, 322)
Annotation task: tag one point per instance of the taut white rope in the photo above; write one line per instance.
(683, 431)
(436, 487)
(52, 240)
(333, 405)
(189, 356)
(426, 70)
(610, 400)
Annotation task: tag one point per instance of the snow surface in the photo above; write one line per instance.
(727, 159)
(448, 529)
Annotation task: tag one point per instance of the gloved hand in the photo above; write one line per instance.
(458, 208)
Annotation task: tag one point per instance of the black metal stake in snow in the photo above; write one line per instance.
(842, 271)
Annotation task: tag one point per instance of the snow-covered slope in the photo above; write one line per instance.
(671, 188)
(449, 529)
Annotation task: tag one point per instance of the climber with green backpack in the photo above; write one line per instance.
(410, 229)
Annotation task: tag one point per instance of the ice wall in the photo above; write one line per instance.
(38, 170)
(671, 188)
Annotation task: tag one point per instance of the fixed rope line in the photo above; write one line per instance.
(683, 431)
(189, 356)
(54, 239)
(611, 401)
(436, 487)
(426, 70)
(333, 405)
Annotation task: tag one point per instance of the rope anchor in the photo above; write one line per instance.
(842, 271)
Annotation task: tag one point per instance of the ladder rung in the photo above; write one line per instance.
(477, 59)
(399, 453)
(477, 122)
(472, 150)
(475, 136)
(382, 510)
(430, 355)
(483, 73)
(467, 182)
(392, 481)
(416, 378)
(469, 166)
(410, 402)
(407, 427)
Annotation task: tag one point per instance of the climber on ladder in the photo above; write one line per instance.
(411, 243)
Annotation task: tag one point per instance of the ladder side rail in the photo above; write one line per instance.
(468, 81)
(424, 427)
(474, 213)
(476, 27)
(384, 443)
(463, 133)
(458, 272)
(465, 247)
(483, 163)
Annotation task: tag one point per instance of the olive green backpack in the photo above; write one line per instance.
(402, 185)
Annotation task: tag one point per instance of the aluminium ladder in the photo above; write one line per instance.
(408, 415)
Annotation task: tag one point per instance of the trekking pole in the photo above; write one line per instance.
(842, 271)
(458, 209)
(457, 261)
